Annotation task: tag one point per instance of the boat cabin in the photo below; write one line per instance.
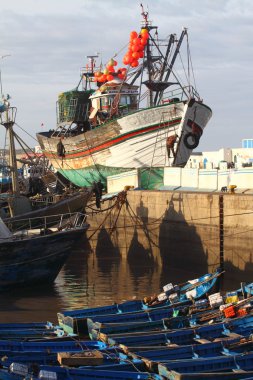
(114, 98)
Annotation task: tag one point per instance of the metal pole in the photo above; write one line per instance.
(221, 237)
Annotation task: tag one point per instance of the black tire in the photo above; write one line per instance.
(194, 140)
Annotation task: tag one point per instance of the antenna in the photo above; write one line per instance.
(144, 14)
(1, 85)
(92, 61)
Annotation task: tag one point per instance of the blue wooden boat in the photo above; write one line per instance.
(27, 325)
(7, 346)
(204, 350)
(76, 374)
(110, 355)
(28, 358)
(242, 326)
(29, 330)
(231, 375)
(95, 328)
(242, 362)
(150, 315)
(68, 319)
(73, 325)
(19, 334)
(18, 372)
(248, 289)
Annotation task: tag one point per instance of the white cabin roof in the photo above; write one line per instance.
(112, 88)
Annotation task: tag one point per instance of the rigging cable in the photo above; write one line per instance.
(26, 132)
(194, 80)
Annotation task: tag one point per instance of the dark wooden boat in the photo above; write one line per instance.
(20, 207)
(71, 203)
(37, 256)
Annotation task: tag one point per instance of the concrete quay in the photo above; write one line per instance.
(189, 231)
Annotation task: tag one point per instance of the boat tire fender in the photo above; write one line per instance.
(192, 144)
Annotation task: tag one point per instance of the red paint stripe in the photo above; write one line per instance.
(116, 140)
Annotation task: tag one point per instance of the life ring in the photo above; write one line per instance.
(194, 140)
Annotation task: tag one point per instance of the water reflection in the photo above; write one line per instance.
(90, 278)
(87, 279)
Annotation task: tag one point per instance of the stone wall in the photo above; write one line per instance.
(178, 231)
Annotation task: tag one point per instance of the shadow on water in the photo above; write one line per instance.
(107, 254)
(234, 276)
(139, 258)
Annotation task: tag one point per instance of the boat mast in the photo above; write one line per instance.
(171, 41)
(8, 120)
(147, 25)
(184, 32)
(89, 71)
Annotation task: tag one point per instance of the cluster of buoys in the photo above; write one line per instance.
(136, 47)
(109, 73)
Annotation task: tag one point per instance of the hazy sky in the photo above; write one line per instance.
(49, 40)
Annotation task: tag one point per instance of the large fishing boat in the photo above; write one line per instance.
(110, 129)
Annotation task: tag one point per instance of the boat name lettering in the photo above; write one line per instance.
(123, 92)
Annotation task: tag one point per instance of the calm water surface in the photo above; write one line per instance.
(89, 279)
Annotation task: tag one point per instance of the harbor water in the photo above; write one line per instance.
(87, 279)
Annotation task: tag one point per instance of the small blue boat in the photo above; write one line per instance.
(33, 330)
(80, 374)
(7, 346)
(28, 334)
(110, 356)
(73, 325)
(237, 327)
(204, 350)
(239, 363)
(96, 328)
(194, 289)
(27, 325)
(19, 372)
(248, 289)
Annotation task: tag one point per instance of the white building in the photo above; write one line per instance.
(224, 157)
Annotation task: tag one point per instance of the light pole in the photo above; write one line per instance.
(1, 86)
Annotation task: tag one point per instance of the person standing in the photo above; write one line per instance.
(100, 188)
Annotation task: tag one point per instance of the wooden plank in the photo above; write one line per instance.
(81, 358)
